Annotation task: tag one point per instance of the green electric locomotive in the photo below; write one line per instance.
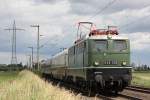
(98, 62)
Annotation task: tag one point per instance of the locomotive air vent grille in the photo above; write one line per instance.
(110, 62)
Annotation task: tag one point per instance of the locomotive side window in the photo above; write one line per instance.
(72, 51)
(101, 45)
(80, 48)
(120, 45)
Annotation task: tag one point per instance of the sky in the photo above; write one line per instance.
(58, 25)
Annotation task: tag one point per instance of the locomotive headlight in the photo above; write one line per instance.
(124, 63)
(96, 63)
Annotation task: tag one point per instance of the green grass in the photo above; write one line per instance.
(8, 76)
(141, 79)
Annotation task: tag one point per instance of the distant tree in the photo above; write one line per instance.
(142, 67)
(148, 68)
(133, 64)
(20, 65)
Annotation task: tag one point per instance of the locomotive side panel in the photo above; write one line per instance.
(71, 56)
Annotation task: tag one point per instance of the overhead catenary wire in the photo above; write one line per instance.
(102, 10)
(134, 21)
(99, 11)
(123, 26)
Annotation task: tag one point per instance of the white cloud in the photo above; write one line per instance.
(139, 41)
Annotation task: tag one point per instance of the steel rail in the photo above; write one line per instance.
(129, 97)
(138, 89)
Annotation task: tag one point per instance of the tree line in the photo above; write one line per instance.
(142, 67)
(11, 67)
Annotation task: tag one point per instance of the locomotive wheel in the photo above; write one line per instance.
(90, 90)
(116, 92)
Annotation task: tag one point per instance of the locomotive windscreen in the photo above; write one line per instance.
(120, 45)
(101, 45)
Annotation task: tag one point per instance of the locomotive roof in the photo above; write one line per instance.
(60, 53)
(106, 37)
(99, 37)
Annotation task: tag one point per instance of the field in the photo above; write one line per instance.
(25, 85)
(141, 79)
(28, 86)
(7, 76)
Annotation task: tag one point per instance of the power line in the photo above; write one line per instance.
(54, 38)
(135, 21)
(105, 7)
(101, 10)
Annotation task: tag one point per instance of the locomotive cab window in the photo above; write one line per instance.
(120, 45)
(101, 45)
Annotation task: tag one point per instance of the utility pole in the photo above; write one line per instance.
(30, 62)
(13, 56)
(31, 57)
(38, 43)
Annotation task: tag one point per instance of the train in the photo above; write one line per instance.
(99, 62)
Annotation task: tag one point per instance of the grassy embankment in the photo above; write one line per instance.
(28, 86)
(141, 78)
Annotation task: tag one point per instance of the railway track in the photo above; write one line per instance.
(138, 89)
(128, 97)
(100, 96)
(118, 97)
